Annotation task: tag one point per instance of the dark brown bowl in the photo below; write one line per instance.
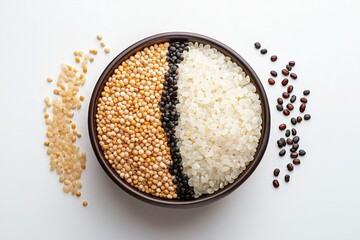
(168, 37)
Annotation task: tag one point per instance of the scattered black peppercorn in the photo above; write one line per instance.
(257, 45)
(287, 133)
(282, 152)
(290, 167)
(276, 183)
(299, 119)
(307, 117)
(293, 99)
(276, 172)
(287, 178)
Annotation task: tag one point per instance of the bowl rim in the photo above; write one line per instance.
(168, 37)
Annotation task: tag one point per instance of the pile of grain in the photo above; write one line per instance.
(128, 122)
(220, 119)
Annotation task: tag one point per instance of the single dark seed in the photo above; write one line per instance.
(290, 88)
(276, 183)
(282, 152)
(271, 81)
(286, 112)
(273, 58)
(299, 119)
(263, 51)
(307, 117)
(293, 132)
(285, 95)
(293, 99)
(306, 92)
(292, 63)
(280, 101)
(295, 146)
(296, 161)
(285, 82)
(276, 172)
(293, 121)
(287, 133)
(290, 106)
(279, 143)
(294, 155)
(302, 152)
(290, 167)
(282, 126)
(289, 141)
(293, 76)
(257, 45)
(283, 142)
(279, 107)
(273, 73)
(288, 67)
(287, 178)
(296, 139)
(302, 107)
(303, 100)
(285, 72)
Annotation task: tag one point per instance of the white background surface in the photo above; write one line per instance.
(322, 199)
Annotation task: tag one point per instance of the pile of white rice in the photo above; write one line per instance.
(220, 122)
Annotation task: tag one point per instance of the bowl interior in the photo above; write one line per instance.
(170, 37)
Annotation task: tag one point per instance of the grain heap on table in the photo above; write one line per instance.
(179, 120)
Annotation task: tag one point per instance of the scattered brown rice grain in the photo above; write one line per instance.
(85, 203)
(49, 79)
(102, 44)
(99, 37)
(107, 50)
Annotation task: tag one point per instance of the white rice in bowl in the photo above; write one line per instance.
(220, 123)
